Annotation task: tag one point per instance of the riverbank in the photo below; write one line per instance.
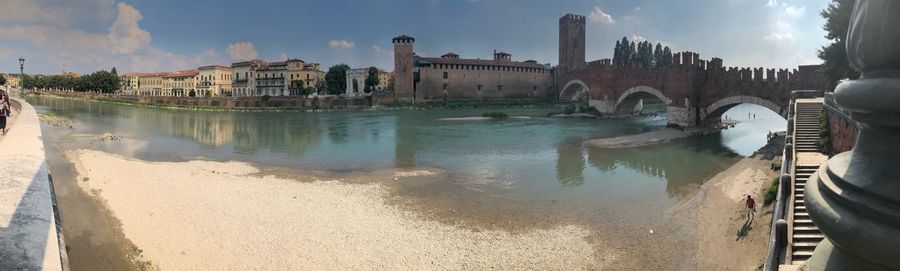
(648, 138)
(727, 239)
(290, 103)
(226, 215)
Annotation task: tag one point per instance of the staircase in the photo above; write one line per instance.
(806, 127)
(804, 234)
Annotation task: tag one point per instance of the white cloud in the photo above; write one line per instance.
(637, 38)
(283, 56)
(601, 17)
(242, 51)
(53, 44)
(793, 11)
(340, 44)
(772, 3)
(779, 36)
(125, 35)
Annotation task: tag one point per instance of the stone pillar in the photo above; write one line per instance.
(854, 198)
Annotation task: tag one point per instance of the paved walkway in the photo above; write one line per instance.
(29, 238)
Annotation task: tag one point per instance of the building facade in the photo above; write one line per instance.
(12, 80)
(300, 76)
(270, 79)
(180, 84)
(244, 82)
(215, 80)
(452, 77)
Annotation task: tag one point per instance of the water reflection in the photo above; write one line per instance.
(570, 164)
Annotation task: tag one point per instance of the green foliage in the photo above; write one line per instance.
(208, 93)
(643, 53)
(570, 109)
(470, 103)
(495, 115)
(265, 98)
(776, 166)
(590, 110)
(2, 80)
(824, 142)
(192, 93)
(336, 78)
(770, 192)
(101, 81)
(309, 90)
(837, 20)
(371, 79)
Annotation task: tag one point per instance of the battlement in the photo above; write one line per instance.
(572, 18)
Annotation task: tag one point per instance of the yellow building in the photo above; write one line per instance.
(180, 84)
(301, 75)
(12, 80)
(214, 79)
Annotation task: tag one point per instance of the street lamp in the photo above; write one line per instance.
(21, 73)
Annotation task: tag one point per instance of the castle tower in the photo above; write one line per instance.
(403, 68)
(571, 42)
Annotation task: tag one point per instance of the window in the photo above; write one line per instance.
(445, 86)
(445, 75)
(499, 87)
(479, 87)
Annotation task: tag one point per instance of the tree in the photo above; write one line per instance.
(2, 80)
(371, 79)
(658, 56)
(617, 54)
(667, 56)
(837, 20)
(309, 90)
(336, 78)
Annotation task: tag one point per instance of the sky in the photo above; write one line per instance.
(162, 35)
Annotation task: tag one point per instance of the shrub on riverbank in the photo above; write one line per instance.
(569, 109)
(495, 115)
(770, 192)
(472, 103)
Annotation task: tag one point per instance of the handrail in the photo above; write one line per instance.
(778, 242)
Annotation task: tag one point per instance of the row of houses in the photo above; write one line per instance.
(292, 77)
(246, 78)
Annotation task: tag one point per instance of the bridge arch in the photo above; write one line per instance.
(629, 99)
(571, 91)
(714, 111)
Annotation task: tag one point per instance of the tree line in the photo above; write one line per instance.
(336, 79)
(100, 81)
(643, 53)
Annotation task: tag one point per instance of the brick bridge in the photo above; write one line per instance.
(695, 91)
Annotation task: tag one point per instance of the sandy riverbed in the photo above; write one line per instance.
(727, 240)
(225, 216)
(648, 138)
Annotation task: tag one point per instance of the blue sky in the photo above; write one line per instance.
(157, 35)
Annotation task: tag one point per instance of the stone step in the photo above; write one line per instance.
(804, 244)
(805, 228)
(801, 215)
(803, 221)
(809, 236)
(803, 253)
(803, 208)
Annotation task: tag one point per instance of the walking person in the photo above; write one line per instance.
(4, 111)
(750, 206)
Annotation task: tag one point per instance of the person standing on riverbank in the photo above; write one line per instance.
(4, 111)
(750, 205)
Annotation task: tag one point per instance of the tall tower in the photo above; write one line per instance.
(403, 68)
(571, 42)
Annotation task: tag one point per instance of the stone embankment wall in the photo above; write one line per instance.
(842, 129)
(332, 102)
(29, 234)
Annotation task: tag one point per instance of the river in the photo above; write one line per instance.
(513, 173)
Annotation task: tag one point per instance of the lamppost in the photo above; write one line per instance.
(854, 198)
(21, 73)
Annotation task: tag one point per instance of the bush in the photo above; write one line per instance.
(591, 110)
(495, 115)
(776, 166)
(309, 90)
(569, 109)
(770, 192)
(208, 93)
(265, 98)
